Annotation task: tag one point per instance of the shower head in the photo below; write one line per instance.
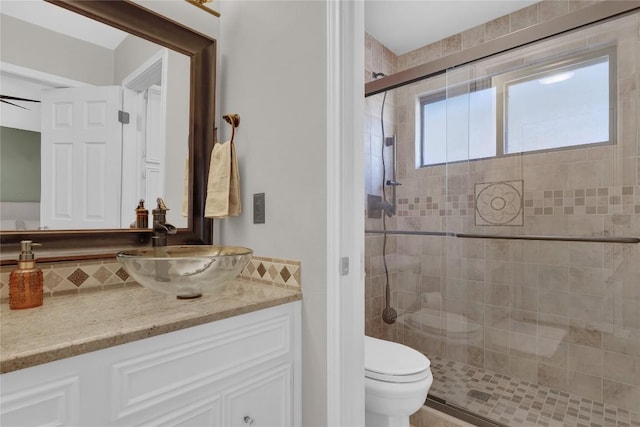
(389, 315)
(376, 75)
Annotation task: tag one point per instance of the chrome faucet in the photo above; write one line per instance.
(160, 226)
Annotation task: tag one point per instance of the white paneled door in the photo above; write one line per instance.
(81, 158)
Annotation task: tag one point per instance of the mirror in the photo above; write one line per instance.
(196, 129)
(87, 171)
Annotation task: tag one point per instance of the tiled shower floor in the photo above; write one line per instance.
(516, 403)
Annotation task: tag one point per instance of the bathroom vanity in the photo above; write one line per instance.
(135, 357)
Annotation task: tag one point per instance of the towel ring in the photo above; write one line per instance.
(234, 121)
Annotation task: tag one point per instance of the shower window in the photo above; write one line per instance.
(474, 104)
(567, 103)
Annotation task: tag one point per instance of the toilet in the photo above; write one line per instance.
(396, 382)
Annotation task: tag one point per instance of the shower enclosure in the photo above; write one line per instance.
(512, 254)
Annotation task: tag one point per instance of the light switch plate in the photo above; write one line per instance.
(258, 208)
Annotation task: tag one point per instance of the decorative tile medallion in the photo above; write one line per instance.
(499, 203)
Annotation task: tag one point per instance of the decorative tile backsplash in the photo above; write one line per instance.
(73, 277)
(278, 272)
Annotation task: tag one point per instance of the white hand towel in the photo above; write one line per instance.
(223, 185)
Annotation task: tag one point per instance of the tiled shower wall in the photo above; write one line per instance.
(562, 315)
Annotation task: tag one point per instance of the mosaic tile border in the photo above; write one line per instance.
(273, 271)
(73, 277)
(624, 200)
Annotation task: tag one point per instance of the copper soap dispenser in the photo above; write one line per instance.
(26, 282)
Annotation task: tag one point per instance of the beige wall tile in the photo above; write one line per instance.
(497, 28)
(585, 359)
(473, 37)
(524, 368)
(587, 281)
(620, 367)
(553, 302)
(452, 44)
(582, 334)
(620, 394)
(585, 385)
(497, 294)
(497, 362)
(550, 9)
(553, 277)
(525, 17)
(553, 352)
(552, 376)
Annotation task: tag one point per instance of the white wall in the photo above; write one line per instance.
(272, 70)
(176, 132)
(37, 48)
(273, 73)
(19, 118)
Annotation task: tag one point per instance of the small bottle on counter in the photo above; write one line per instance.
(142, 215)
(26, 282)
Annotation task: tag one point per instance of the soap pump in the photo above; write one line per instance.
(142, 215)
(26, 282)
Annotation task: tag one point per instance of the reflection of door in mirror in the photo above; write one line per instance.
(81, 147)
(35, 60)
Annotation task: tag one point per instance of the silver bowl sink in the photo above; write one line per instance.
(185, 271)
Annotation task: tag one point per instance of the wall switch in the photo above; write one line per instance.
(258, 208)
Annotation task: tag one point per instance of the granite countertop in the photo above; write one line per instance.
(70, 325)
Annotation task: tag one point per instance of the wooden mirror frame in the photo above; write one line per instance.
(99, 244)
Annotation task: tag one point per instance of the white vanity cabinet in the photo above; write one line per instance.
(240, 371)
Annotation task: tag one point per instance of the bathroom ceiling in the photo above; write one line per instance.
(62, 21)
(405, 25)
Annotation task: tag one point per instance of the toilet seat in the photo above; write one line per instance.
(393, 362)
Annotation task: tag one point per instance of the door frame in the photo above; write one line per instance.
(139, 79)
(345, 213)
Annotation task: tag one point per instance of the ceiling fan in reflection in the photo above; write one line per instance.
(5, 98)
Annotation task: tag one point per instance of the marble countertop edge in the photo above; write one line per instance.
(43, 349)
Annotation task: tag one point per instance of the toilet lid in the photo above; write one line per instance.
(393, 362)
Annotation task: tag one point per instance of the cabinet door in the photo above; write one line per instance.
(261, 401)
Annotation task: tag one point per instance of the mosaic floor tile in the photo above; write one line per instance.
(516, 403)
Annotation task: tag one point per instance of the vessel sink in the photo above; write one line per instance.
(185, 271)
